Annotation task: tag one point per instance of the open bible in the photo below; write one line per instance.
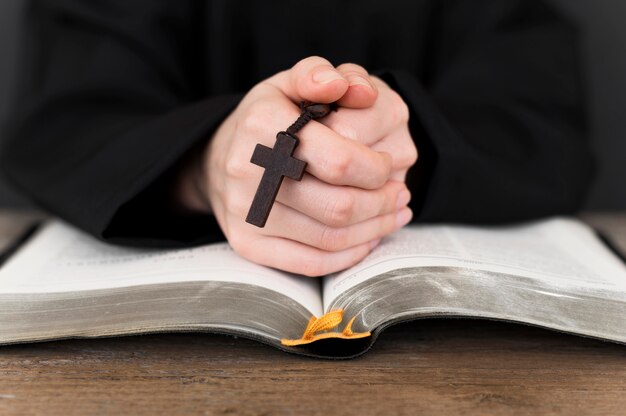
(554, 273)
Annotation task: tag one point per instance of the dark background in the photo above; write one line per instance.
(605, 54)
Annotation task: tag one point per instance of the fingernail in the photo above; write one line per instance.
(374, 243)
(403, 198)
(403, 217)
(359, 80)
(325, 76)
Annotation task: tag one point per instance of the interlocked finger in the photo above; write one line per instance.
(339, 206)
(293, 225)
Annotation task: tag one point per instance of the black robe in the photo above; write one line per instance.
(115, 92)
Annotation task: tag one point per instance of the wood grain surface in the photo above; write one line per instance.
(425, 367)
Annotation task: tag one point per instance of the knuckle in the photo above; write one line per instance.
(311, 60)
(336, 166)
(400, 111)
(258, 89)
(237, 204)
(412, 154)
(239, 247)
(333, 239)
(254, 121)
(350, 67)
(236, 167)
(408, 156)
(346, 130)
(340, 210)
(381, 171)
(307, 66)
(312, 265)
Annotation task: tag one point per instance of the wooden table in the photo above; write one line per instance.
(425, 367)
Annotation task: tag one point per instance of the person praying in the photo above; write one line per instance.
(137, 120)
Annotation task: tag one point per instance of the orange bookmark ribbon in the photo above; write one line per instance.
(314, 330)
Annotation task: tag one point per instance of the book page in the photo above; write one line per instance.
(557, 251)
(60, 258)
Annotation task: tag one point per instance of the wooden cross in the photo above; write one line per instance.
(278, 163)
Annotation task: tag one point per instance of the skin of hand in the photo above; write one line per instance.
(381, 125)
(353, 191)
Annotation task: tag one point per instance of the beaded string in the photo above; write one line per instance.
(309, 112)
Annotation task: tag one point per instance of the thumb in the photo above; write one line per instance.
(312, 79)
(362, 92)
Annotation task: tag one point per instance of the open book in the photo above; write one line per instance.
(554, 273)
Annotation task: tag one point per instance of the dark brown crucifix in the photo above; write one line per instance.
(280, 163)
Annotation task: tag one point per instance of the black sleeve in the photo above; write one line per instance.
(499, 116)
(107, 106)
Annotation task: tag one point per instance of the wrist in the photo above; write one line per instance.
(190, 190)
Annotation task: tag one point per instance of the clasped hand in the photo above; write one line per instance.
(353, 192)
